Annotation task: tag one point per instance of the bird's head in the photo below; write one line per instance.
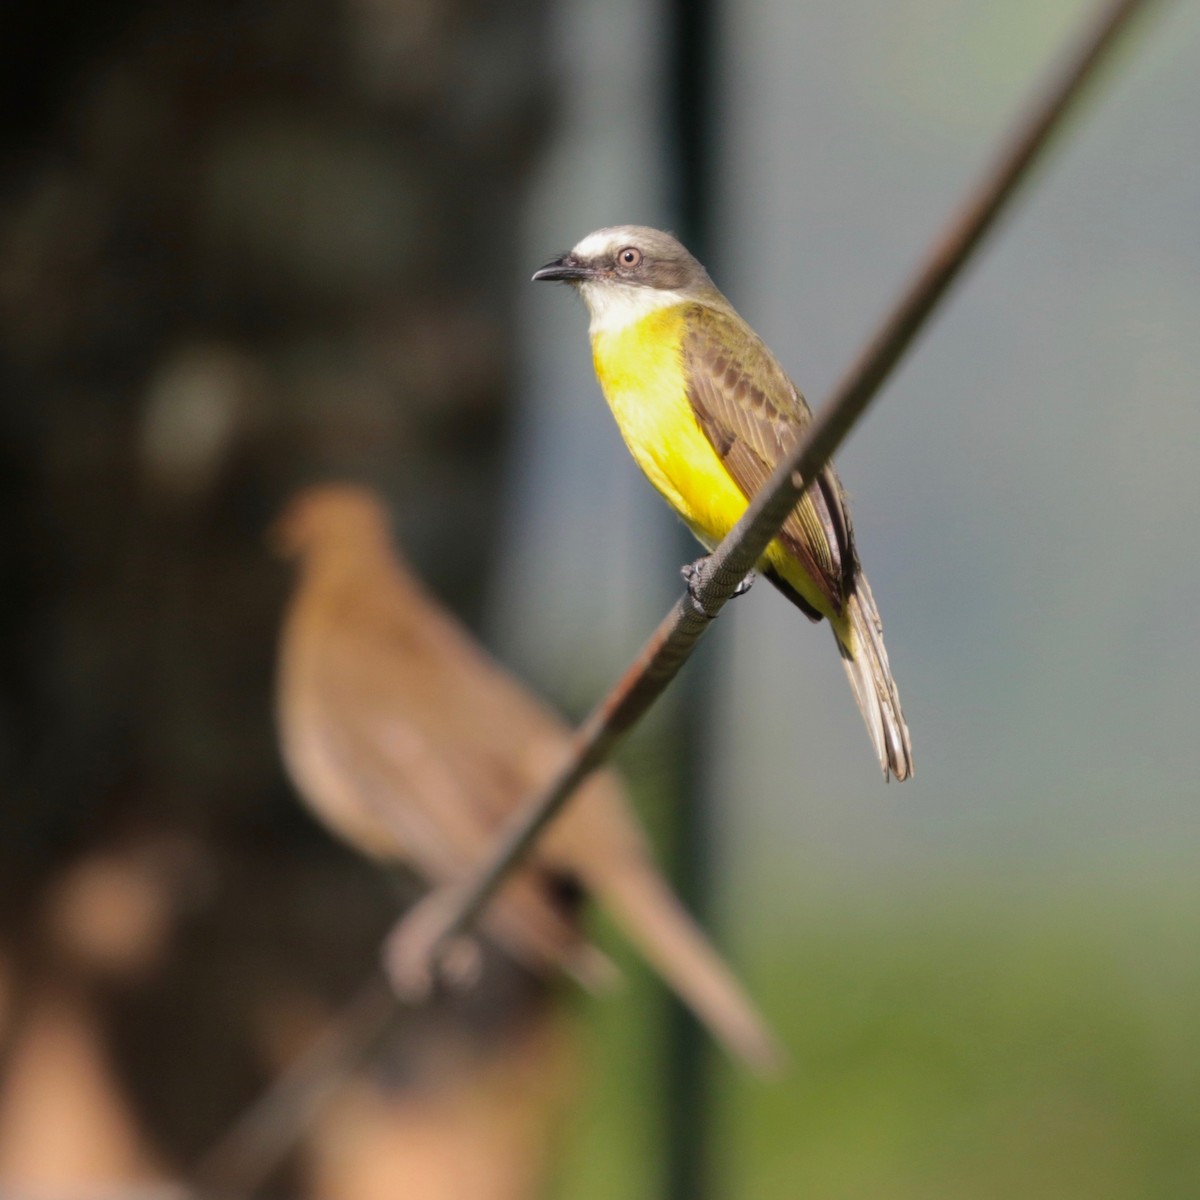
(328, 516)
(627, 271)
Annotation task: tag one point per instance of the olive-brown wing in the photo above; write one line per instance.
(753, 415)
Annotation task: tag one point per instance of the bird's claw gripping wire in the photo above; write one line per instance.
(694, 575)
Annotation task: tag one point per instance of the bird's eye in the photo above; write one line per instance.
(629, 258)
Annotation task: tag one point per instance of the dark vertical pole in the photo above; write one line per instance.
(691, 77)
(691, 74)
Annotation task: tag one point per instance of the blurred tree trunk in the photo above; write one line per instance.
(242, 246)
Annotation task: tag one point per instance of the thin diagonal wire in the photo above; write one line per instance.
(237, 1165)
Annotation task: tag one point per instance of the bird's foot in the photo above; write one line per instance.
(695, 573)
(415, 959)
(743, 587)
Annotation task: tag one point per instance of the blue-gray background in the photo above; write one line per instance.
(1025, 490)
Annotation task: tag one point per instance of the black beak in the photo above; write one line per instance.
(564, 269)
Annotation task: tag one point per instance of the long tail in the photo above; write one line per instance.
(866, 664)
(650, 914)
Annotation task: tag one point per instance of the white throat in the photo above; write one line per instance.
(615, 306)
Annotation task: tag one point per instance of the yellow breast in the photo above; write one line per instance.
(640, 369)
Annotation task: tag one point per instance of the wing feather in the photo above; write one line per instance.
(753, 416)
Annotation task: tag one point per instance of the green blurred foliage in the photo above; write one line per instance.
(952, 1037)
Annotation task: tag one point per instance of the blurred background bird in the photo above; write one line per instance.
(412, 745)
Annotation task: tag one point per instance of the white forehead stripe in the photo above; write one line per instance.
(600, 242)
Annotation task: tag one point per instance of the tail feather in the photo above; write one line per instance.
(866, 663)
(652, 917)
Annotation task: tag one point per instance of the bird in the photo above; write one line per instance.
(413, 745)
(708, 413)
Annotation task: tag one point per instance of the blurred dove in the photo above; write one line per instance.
(411, 744)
